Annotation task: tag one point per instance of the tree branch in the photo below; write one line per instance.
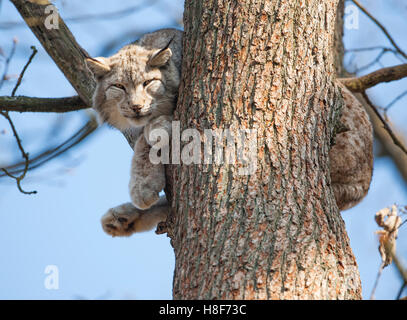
(362, 83)
(61, 45)
(30, 104)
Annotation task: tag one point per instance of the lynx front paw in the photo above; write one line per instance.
(119, 222)
(143, 197)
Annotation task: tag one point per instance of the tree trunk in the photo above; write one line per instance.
(277, 233)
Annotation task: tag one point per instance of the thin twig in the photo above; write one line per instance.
(379, 273)
(400, 96)
(400, 268)
(23, 153)
(386, 126)
(382, 48)
(402, 271)
(34, 49)
(381, 27)
(54, 152)
(401, 291)
(13, 128)
(370, 49)
(371, 63)
(7, 63)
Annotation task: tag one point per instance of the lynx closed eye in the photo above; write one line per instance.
(147, 82)
(120, 86)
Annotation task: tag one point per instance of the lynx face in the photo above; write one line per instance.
(137, 84)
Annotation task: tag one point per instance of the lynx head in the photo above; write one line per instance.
(138, 83)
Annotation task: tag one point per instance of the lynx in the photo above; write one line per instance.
(137, 90)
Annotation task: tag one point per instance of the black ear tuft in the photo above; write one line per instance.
(98, 66)
(162, 56)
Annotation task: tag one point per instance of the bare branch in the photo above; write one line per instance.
(403, 286)
(23, 153)
(395, 139)
(394, 101)
(7, 63)
(379, 273)
(389, 148)
(49, 154)
(30, 104)
(376, 60)
(401, 269)
(362, 83)
(61, 45)
(383, 48)
(401, 52)
(6, 115)
(34, 49)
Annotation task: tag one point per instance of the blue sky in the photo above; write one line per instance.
(61, 224)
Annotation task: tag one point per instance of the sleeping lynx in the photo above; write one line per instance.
(137, 90)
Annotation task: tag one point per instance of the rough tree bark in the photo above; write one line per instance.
(276, 234)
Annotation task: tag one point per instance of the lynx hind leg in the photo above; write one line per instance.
(126, 219)
(146, 179)
(351, 158)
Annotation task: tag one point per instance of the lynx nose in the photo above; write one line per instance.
(136, 108)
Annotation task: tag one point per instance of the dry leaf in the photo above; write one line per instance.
(389, 220)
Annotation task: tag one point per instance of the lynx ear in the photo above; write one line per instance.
(98, 66)
(161, 57)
